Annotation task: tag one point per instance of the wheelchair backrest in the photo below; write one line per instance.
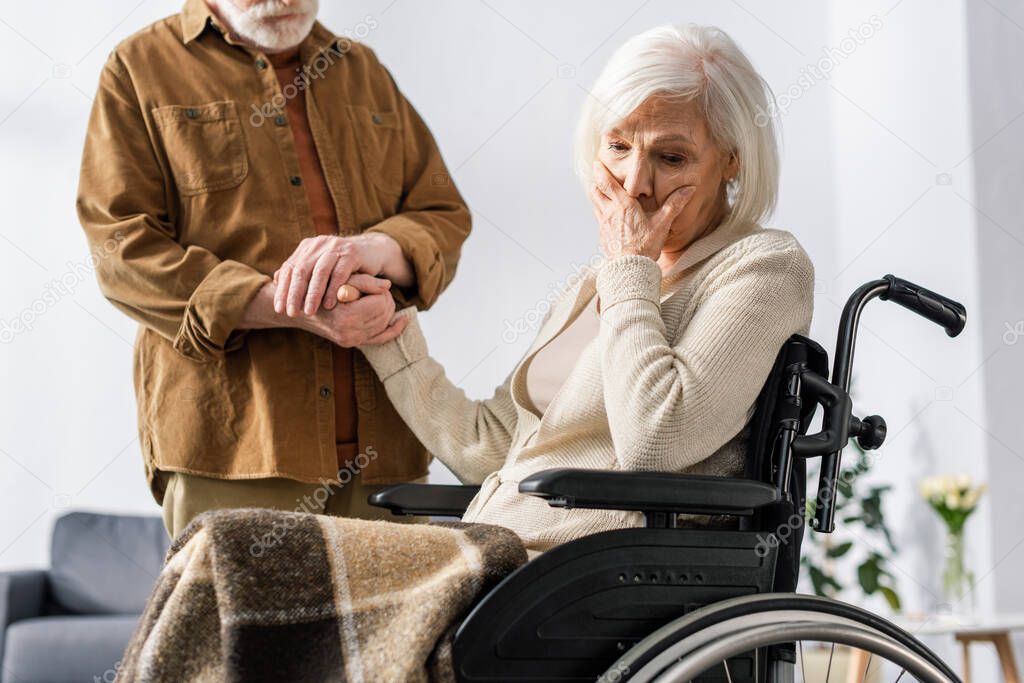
(785, 519)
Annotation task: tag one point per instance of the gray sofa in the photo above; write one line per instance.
(72, 621)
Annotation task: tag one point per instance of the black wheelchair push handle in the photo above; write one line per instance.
(948, 314)
(951, 315)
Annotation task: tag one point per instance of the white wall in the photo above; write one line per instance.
(500, 83)
(996, 36)
(903, 141)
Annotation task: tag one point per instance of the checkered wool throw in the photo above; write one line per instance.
(254, 595)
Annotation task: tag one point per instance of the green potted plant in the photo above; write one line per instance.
(859, 509)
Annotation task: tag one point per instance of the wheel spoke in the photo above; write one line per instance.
(867, 667)
(725, 665)
(828, 670)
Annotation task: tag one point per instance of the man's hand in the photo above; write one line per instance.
(318, 268)
(366, 320)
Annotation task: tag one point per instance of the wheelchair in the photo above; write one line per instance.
(669, 603)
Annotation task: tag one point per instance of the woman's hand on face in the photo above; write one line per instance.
(625, 227)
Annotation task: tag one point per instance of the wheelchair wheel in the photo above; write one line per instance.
(699, 646)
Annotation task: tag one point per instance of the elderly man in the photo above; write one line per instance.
(272, 194)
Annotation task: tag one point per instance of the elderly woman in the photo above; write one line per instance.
(654, 360)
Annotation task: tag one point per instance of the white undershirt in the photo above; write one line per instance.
(551, 366)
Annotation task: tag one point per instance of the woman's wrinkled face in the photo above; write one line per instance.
(663, 145)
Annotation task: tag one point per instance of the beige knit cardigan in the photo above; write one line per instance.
(669, 384)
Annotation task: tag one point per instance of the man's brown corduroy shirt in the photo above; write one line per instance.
(190, 169)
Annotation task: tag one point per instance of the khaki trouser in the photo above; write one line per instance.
(187, 495)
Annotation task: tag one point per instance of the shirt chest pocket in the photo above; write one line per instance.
(379, 139)
(204, 144)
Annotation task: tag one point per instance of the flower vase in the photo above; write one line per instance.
(957, 580)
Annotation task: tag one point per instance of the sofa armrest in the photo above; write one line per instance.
(22, 596)
(649, 492)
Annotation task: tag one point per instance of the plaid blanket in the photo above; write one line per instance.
(254, 595)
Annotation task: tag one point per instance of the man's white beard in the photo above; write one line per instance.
(253, 25)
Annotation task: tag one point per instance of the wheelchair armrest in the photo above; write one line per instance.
(441, 500)
(649, 492)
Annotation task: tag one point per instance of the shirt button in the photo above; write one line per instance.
(377, 118)
(192, 113)
(261, 64)
(325, 391)
(281, 120)
(296, 180)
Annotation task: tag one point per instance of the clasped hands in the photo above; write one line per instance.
(340, 288)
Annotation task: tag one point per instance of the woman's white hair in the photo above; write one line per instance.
(701, 63)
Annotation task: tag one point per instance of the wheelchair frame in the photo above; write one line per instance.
(575, 610)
